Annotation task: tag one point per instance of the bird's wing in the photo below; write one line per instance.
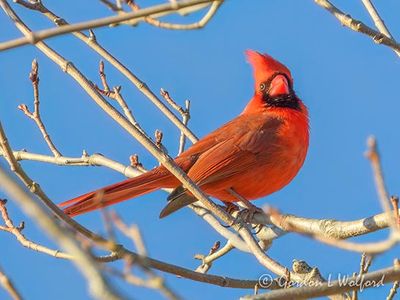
(231, 149)
(239, 148)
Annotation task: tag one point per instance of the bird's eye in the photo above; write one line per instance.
(262, 87)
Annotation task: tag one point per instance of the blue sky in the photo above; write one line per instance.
(347, 82)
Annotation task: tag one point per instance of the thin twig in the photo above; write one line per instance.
(131, 232)
(35, 37)
(184, 112)
(111, 5)
(135, 163)
(378, 20)
(115, 94)
(99, 287)
(395, 204)
(167, 25)
(9, 286)
(154, 281)
(393, 291)
(373, 155)
(36, 189)
(365, 263)
(17, 232)
(172, 102)
(358, 26)
(35, 115)
(214, 254)
(185, 120)
(92, 42)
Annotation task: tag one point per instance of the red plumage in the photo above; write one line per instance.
(256, 154)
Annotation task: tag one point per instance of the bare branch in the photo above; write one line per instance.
(369, 248)
(395, 204)
(166, 25)
(111, 5)
(378, 20)
(135, 163)
(98, 285)
(92, 42)
(365, 263)
(35, 115)
(154, 281)
(116, 95)
(374, 157)
(35, 37)
(118, 251)
(128, 171)
(131, 232)
(358, 26)
(185, 120)
(9, 286)
(329, 227)
(393, 291)
(372, 279)
(184, 112)
(214, 254)
(17, 232)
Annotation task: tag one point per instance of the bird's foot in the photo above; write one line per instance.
(247, 214)
(244, 216)
(230, 207)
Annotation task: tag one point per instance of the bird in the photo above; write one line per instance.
(252, 156)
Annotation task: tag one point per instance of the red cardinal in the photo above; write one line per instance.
(255, 154)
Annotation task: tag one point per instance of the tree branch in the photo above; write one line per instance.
(92, 42)
(9, 286)
(17, 232)
(98, 285)
(35, 115)
(372, 279)
(378, 20)
(35, 37)
(358, 26)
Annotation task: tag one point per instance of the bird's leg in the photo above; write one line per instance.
(230, 207)
(246, 214)
(250, 210)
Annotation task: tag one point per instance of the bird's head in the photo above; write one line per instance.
(273, 84)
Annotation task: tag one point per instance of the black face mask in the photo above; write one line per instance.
(289, 100)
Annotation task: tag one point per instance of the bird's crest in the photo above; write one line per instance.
(265, 66)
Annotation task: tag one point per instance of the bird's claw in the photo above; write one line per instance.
(244, 216)
(230, 207)
(248, 213)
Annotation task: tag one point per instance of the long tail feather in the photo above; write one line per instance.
(178, 199)
(121, 191)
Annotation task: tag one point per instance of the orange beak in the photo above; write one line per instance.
(279, 86)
